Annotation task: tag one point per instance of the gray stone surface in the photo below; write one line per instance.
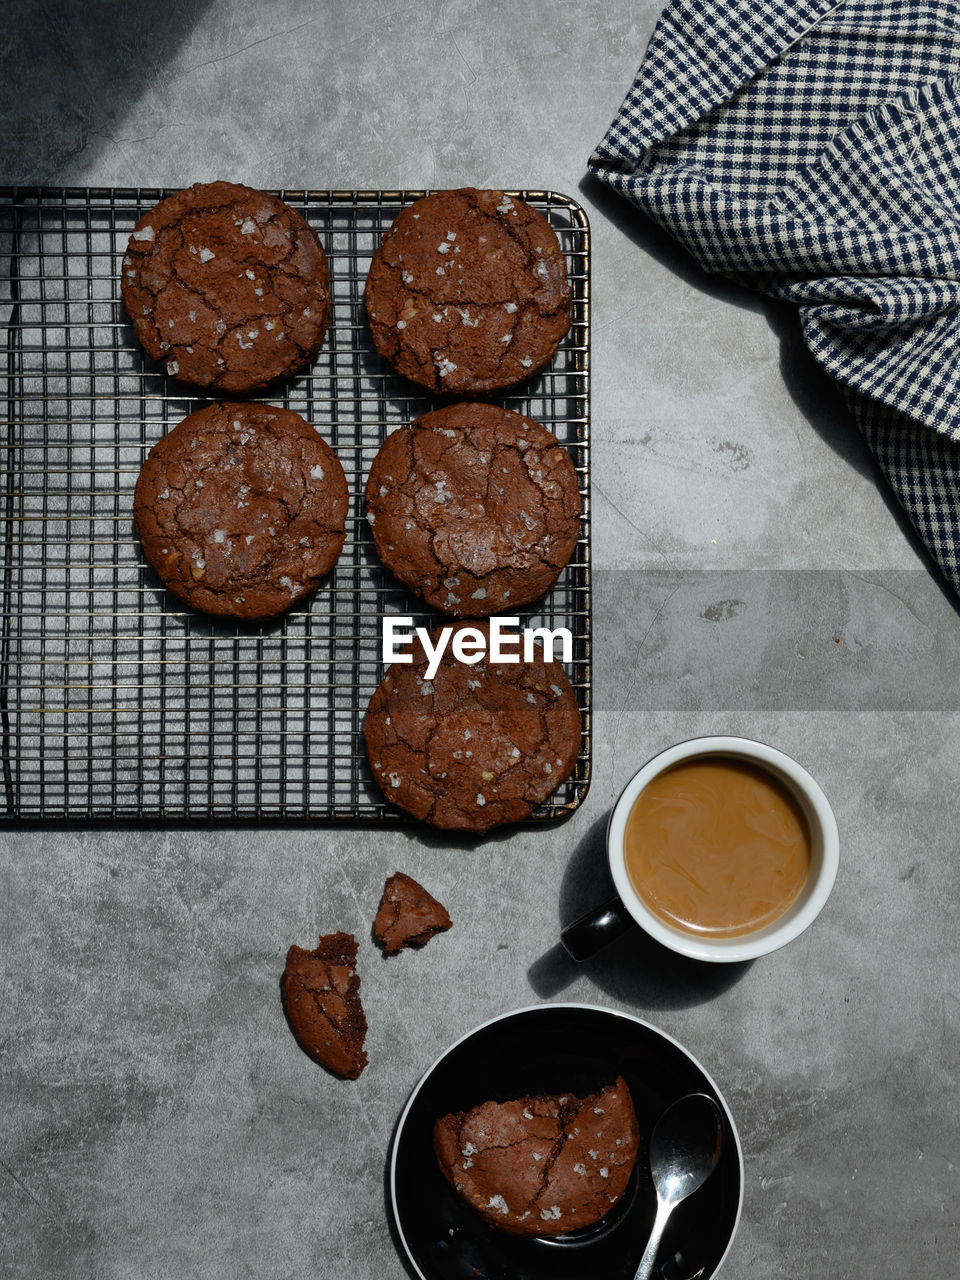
(157, 1118)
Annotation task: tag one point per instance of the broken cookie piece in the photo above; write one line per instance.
(408, 916)
(541, 1166)
(321, 998)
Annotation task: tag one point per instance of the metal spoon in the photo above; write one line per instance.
(685, 1149)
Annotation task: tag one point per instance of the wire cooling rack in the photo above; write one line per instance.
(117, 702)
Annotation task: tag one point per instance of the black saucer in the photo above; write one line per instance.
(549, 1049)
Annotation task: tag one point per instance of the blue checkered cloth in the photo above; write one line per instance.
(812, 151)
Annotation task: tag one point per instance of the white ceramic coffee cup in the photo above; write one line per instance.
(593, 930)
(824, 851)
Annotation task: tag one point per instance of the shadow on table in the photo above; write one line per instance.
(815, 394)
(813, 391)
(75, 73)
(634, 968)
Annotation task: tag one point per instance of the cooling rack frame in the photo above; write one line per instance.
(118, 704)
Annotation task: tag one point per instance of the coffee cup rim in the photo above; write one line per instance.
(786, 927)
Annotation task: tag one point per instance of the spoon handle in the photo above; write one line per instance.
(645, 1269)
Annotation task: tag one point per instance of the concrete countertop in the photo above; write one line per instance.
(157, 1117)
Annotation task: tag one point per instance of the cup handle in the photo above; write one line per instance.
(596, 929)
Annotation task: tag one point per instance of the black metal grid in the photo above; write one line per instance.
(117, 703)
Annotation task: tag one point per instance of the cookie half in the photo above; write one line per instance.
(541, 1166)
(321, 998)
(242, 509)
(475, 508)
(227, 287)
(476, 746)
(468, 292)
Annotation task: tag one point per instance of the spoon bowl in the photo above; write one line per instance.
(685, 1148)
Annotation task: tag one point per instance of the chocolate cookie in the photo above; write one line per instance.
(468, 292)
(227, 287)
(541, 1166)
(321, 998)
(408, 916)
(477, 745)
(475, 508)
(241, 509)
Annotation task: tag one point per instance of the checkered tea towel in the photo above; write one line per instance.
(812, 151)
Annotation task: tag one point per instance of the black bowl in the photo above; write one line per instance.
(550, 1049)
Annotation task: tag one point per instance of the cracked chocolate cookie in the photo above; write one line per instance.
(321, 998)
(408, 916)
(468, 292)
(476, 746)
(241, 509)
(227, 287)
(541, 1166)
(475, 508)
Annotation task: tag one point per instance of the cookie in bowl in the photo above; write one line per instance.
(541, 1166)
